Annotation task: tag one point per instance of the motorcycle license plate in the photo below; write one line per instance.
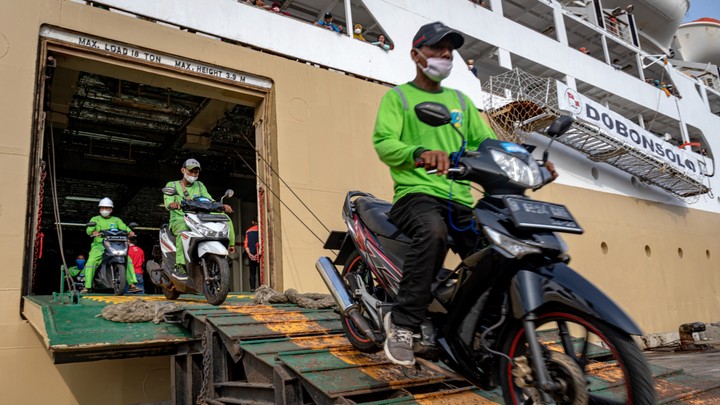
(527, 213)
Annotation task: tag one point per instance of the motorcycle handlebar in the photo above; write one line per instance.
(452, 170)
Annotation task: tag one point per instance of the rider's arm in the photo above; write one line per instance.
(386, 135)
(90, 229)
(169, 199)
(478, 129)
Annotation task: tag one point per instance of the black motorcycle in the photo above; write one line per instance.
(512, 313)
(110, 274)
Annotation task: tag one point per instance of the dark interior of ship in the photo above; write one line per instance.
(122, 134)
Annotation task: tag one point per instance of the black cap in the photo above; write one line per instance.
(328, 15)
(431, 34)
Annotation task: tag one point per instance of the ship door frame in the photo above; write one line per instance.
(260, 98)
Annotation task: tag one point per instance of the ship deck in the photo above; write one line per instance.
(289, 352)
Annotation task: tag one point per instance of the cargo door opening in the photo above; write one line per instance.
(123, 131)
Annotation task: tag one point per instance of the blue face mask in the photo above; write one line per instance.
(80, 263)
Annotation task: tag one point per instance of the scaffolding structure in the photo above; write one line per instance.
(520, 103)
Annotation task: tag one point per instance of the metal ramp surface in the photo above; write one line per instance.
(245, 353)
(288, 355)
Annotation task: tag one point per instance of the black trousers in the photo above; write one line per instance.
(427, 221)
(254, 276)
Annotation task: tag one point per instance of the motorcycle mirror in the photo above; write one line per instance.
(169, 191)
(133, 224)
(90, 224)
(560, 125)
(433, 114)
(229, 193)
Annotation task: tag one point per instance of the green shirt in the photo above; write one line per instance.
(197, 189)
(103, 224)
(399, 137)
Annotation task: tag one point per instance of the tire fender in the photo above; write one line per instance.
(558, 283)
(212, 247)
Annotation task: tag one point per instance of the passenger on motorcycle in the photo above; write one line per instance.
(188, 188)
(426, 207)
(104, 222)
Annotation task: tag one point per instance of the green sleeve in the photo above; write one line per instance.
(122, 226)
(386, 135)
(204, 192)
(167, 199)
(478, 129)
(91, 229)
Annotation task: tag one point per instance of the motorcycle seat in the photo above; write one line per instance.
(374, 213)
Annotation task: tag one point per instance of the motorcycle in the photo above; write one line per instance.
(205, 248)
(513, 313)
(111, 274)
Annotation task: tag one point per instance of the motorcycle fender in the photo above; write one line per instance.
(558, 283)
(213, 247)
(346, 248)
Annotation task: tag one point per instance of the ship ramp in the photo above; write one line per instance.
(241, 352)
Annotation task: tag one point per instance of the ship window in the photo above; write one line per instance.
(648, 251)
(680, 253)
(532, 14)
(595, 173)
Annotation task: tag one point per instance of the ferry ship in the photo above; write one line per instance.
(108, 98)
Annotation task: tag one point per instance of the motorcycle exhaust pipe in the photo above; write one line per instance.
(341, 295)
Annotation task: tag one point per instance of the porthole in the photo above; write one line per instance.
(648, 251)
(680, 253)
(595, 173)
(604, 248)
(707, 254)
(634, 181)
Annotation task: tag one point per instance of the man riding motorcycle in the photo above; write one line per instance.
(188, 188)
(427, 208)
(104, 222)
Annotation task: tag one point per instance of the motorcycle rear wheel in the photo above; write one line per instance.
(598, 349)
(217, 290)
(356, 337)
(119, 278)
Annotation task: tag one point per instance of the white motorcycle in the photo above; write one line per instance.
(205, 247)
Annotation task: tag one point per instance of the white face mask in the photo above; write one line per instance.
(438, 69)
(358, 31)
(190, 179)
(105, 213)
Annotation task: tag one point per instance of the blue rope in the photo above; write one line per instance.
(455, 161)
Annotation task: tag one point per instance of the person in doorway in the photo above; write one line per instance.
(77, 272)
(252, 248)
(138, 258)
(188, 188)
(103, 222)
(424, 208)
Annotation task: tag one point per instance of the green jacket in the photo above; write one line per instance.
(197, 189)
(399, 137)
(103, 224)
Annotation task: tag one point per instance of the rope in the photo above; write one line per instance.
(266, 295)
(39, 235)
(261, 235)
(137, 310)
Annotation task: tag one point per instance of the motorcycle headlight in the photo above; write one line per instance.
(512, 246)
(517, 170)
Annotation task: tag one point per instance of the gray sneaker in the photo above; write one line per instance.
(398, 344)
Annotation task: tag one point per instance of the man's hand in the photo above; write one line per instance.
(131, 234)
(231, 249)
(551, 168)
(174, 206)
(228, 209)
(95, 233)
(436, 159)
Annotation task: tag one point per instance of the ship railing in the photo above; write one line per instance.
(617, 27)
(519, 103)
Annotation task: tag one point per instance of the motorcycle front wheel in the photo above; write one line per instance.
(357, 338)
(119, 279)
(599, 351)
(218, 283)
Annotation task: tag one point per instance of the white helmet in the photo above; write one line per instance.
(105, 202)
